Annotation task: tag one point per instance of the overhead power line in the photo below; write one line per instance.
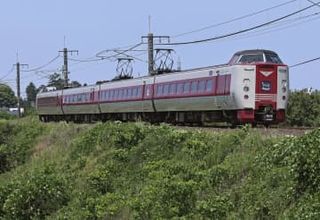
(305, 62)
(42, 66)
(281, 26)
(244, 30)
(6, 75)
(234, 19)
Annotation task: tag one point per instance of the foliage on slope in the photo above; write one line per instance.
(138, 171)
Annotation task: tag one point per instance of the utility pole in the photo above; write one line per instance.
(150, 41)
(65, 70)
(18, 66)
(150, 54)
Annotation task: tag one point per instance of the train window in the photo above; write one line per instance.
(139, 92)
(202, 86)
(194, 86)
(135, 92)
(186, 87)
(108, 95)
(273, 58)
(173, 88)
(166, 89)
(251, 58)
(159, 90)
(209, 85)
(112, 95)
(130, 93)
(180, 88)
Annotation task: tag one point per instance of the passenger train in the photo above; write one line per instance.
(252, 88)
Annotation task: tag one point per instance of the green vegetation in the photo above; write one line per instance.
(138, 171)
(304, 109)
(7, 98)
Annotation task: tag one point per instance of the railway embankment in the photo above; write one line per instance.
(139, 171)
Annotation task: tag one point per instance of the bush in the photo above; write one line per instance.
(33, 195)
(16, 142)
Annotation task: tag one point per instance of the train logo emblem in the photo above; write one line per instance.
(266, 73)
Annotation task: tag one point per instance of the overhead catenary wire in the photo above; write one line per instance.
(242, 31)
(305, 62)
(234, 19)
(279, 26)
(42, 66)
(7, 74)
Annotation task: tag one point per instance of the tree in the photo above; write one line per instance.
(7, 97)
(75, 84)
(304, 108)
(31, 92)
(55, 80)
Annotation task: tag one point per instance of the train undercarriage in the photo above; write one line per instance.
(233, 117)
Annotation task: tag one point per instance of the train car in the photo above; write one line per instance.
(252, 88)
(49, 105)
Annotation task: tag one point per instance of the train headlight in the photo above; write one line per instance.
(284, 97)
(284, 89)
(246, 97)
(246, 89)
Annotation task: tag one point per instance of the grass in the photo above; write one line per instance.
(139, 171)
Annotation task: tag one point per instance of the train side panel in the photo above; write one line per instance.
(49, 103)
(126, 96)
(201, 90)
(82, 100)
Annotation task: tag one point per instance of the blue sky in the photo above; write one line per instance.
(36, 29)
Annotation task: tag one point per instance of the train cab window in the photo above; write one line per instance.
(202, 86)
(180, 88)
(209, 85)
(194, 86)
(273, 58)
(251, 58)
(186, 87)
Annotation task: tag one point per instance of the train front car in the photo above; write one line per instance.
(262, 86)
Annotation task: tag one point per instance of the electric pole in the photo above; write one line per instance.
(150, 54)
(65, 70)
(18, 66)
(150, 41)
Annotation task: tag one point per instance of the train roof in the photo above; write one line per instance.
(254, 51)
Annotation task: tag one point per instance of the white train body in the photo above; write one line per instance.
(251, 88)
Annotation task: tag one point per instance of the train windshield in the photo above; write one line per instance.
(257, 56)
(273, 58)
(251, 58)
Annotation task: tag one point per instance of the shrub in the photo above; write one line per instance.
(34, 195)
